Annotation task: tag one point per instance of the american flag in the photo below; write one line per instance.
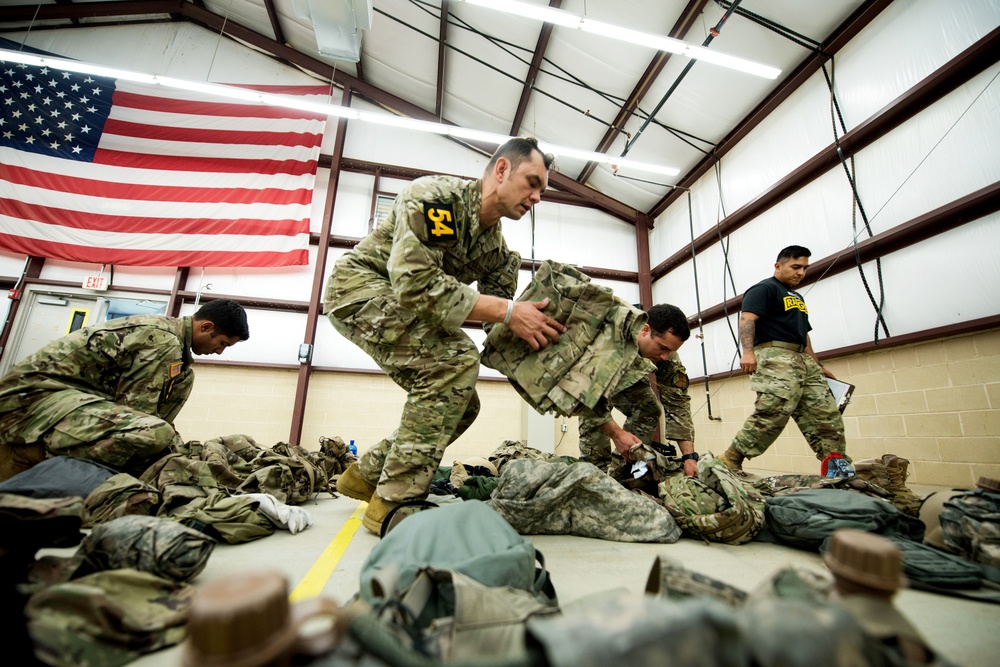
(94, 169)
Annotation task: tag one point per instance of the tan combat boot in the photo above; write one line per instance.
(375, 513)
(904, 499)
(353, 485)
(382, 515)
(733, 460)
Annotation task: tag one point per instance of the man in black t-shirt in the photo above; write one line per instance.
(784, 370)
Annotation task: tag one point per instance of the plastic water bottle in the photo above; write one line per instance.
(354, 450)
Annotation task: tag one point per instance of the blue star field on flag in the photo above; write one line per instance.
(53, 112)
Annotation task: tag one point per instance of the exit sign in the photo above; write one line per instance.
(95, 282)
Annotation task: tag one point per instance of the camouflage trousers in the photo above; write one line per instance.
(438, 369)
(102, 431)
(791, 384)
(642, 416)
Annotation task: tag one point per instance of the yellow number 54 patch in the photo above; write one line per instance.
(440, 222)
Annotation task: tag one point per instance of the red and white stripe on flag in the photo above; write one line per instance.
(175, 178)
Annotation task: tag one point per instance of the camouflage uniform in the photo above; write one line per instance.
(401, 296)
(789, 383)
(642, 416)
(108, 393)
(672, 383)
(576, 375)
(642, 412)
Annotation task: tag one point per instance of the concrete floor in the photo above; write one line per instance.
(326, 560)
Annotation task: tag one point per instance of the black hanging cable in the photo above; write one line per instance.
(856, 207)
(773, 26)
(640, 180)
(712, 34)
(727, 269)
(697, 301)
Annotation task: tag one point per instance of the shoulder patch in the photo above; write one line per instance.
(681, 380)
(176, 368)
(440, 222)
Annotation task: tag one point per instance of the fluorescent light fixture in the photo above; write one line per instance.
(602, 158)
(323, 108)
(658, 42)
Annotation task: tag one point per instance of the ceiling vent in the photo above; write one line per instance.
(338, 25)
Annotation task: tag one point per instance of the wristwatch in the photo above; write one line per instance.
(693, 456)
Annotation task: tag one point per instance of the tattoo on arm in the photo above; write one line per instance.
(747, 330)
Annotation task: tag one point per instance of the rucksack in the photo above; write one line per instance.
(970, 525)
(469, 537)
(160, 546)
(714, 506)
(805, 518)
(649, 466)
(457, 580)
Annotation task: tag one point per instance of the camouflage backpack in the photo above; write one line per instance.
(715, 506)
(333, 456)
(458, 582)
(653, 464)
(159, 546)
(970, 525)
(107, 618)
(288, 473)
(119, 495)
(510, 450)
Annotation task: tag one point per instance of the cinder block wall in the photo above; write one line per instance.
(239, 399)
(935, 403)
(356, 406)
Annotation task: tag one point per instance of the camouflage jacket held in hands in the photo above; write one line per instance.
(597, 355)
(142, 362)
(426, 253)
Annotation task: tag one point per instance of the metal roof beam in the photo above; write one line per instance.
(442, 49)
(272, 15)
(88, 10)
(656, 65)
(533, 69)
(961, 211)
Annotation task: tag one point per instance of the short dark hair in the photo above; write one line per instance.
(664, 318)
(228, 317)
(793, 251)
(517, 150)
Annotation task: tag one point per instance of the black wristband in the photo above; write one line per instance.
(693, 456)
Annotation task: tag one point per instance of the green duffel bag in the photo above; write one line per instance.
(469, 537)
(804, 519)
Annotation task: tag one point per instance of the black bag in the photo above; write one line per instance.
(58, 477)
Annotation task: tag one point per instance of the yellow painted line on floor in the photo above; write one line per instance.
(312, 584)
